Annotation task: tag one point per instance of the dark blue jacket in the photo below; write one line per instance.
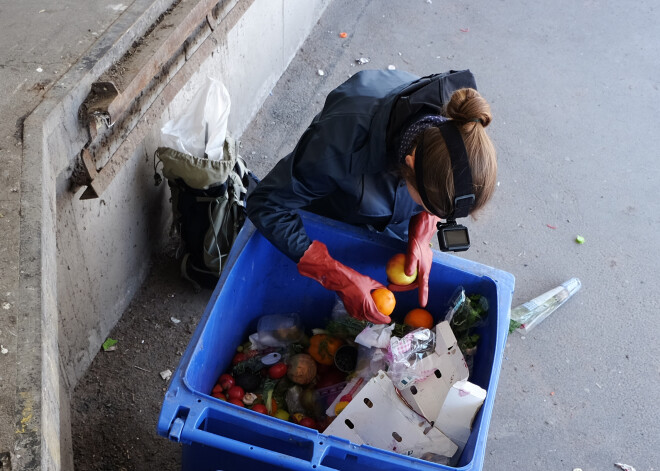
(345, 165)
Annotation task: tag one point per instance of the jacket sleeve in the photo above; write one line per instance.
(313, 170)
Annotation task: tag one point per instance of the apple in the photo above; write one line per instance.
(395, 271)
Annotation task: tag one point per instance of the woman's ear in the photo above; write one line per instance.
(410, 160)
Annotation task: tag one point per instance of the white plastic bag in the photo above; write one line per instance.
(200, 131)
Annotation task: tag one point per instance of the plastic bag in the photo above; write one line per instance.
(466, 314)
(278, 330)
(370, 361)
(201, 130)
(377, 336)
(405, 353)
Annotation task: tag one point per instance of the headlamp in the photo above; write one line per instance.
(451, 236)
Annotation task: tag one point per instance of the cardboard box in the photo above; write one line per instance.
(459, 410)
(377, 417)
(445, 367)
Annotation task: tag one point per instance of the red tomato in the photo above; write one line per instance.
(216, 389)
(237, 402)
(239, 357)
(219, 395)
(277, 371)
(226, 381)
(235, 392)
(308, 422)
(260, 408)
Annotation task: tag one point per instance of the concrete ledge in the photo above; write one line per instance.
(82, 261)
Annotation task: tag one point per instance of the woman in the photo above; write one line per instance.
(356, 163)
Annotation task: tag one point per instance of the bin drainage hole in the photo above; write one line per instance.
(369, 403)
(349, 424)
(320, 443)
(413, 390)
(251, 448)
(397, 437)
(438, 374)
(199, 400)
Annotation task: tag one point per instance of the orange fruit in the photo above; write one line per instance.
(419, 318)
(384, 300)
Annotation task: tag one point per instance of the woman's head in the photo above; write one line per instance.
(471, 113)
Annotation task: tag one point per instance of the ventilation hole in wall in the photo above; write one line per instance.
(368, 402)
(349, 424)
(397, 437)
(437, 374)
(413, 390)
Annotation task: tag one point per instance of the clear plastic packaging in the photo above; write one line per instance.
(405, 353)
(466, 314)
(533, 312)
(279, 330)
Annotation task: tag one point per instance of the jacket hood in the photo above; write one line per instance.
(401, 107)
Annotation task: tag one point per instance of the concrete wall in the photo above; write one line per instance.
(83, 260)
(104, 244)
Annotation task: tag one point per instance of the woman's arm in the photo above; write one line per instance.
(312, 171)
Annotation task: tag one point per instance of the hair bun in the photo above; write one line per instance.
(467, 105)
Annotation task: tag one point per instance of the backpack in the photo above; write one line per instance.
(208, 208)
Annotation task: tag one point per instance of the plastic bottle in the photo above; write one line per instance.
(531, 313)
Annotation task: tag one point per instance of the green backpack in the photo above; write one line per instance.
(208, 207)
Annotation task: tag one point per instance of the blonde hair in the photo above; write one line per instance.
(471, 113)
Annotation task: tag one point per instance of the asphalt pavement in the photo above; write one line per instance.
(573, 87)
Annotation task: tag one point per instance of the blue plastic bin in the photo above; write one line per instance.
(259, 280)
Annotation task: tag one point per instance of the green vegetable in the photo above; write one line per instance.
(579, 239)
(345, 327)
(468, 317)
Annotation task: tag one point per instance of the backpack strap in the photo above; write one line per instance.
(226, 215)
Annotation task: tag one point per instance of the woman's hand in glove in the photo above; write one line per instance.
(419, 255)
(353, 288)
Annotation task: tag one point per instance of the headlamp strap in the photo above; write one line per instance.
(463, 189)
(419, 177)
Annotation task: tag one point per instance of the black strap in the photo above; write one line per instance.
(463, 189)
(419, 176)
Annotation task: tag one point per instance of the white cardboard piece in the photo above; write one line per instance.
(378, 418)
(445, 367)
(459, 410)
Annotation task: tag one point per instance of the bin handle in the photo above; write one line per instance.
(249, 451)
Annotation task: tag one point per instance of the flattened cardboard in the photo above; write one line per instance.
(459, 410)
(379, 418)
(445, 367)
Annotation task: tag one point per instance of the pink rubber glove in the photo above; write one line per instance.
(421, 228)
(353, 288)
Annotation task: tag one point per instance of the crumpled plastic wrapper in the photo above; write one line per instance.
(377, 336)
(405, 353)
